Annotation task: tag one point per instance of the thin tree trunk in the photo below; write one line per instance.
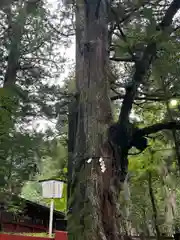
(170, 199)
(152, 198)
(146, 223)
(72, 129)
(170, 194)
(15, 33)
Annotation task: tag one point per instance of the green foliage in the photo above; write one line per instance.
(30, 68)
(159, 159)
(53, 165)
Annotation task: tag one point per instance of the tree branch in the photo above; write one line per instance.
(142, 66)
(168, 18)
(124, 38)
(121, 59)
(158, 127)
(146, 98)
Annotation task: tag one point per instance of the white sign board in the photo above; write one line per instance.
(52, 189)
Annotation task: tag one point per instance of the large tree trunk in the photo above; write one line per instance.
(93, 202)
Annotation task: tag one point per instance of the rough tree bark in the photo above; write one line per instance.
(93, 205)
(152, 198)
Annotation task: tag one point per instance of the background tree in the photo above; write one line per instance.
(31, 64)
